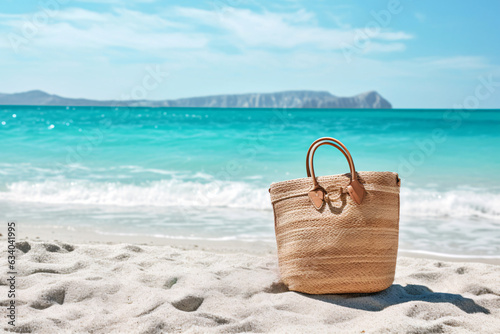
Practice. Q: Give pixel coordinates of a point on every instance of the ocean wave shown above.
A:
(164, 193)
(454, 256)
(457, 203)
(205, 192)
(26, 169)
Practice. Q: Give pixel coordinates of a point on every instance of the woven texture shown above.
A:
(344, 247)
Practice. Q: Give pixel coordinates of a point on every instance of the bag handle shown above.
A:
(317, 194)
(341, 148)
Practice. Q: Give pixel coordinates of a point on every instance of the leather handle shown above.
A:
(308, 169)
(341, 148)
(317, 193)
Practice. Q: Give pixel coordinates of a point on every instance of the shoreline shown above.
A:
(85, 236)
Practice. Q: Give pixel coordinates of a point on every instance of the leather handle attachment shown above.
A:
(317, 194)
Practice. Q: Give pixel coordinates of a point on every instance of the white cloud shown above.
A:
(192, 28)
(284, 30)
(81, 16)
(65, 35)
(72, 29)
(119, 16)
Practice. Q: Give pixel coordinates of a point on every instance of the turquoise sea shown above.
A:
(205, 173)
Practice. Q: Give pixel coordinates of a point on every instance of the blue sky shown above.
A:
(417, 54)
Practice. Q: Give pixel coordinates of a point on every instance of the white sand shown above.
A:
(127, 288)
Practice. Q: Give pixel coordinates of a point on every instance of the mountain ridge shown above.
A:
(284, 99)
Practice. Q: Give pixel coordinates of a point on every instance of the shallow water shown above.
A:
(204, 173)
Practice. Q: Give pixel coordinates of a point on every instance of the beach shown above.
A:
(114, 286)
(186, 166)
(158, 220)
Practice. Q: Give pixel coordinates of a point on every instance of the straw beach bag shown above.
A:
(337, 233)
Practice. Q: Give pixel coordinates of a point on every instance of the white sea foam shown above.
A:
(458, 203)
(237, 237)
(203, 192)
(447, 255)
(164, 193)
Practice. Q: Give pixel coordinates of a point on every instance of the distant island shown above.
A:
(288, 99)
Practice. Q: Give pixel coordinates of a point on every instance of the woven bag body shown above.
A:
(339, 245)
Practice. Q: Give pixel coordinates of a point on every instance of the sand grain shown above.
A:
(126, 288)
